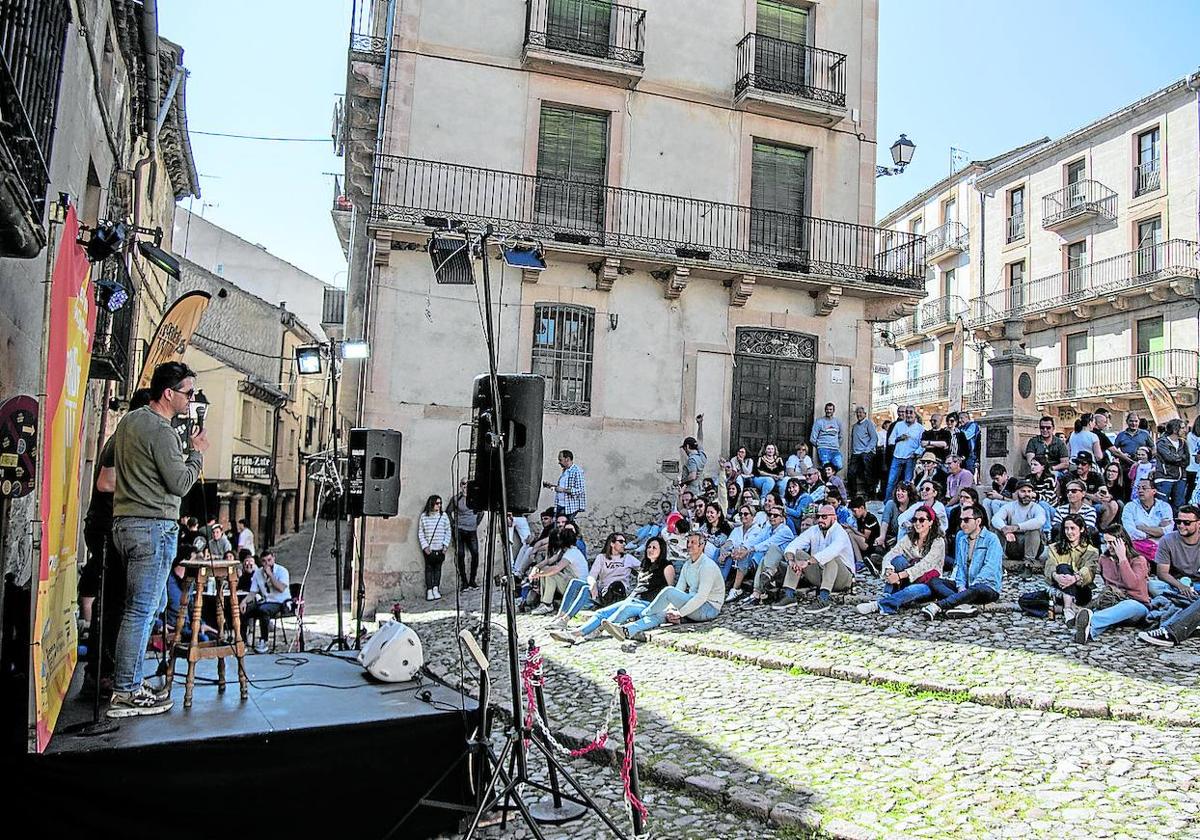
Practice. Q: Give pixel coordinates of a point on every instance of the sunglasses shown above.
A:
(775, 516)
(747, 515)
(1186, 521)
(1074, 489)
(968, 518)
(188, 393)
(921, 519)
(619, 539)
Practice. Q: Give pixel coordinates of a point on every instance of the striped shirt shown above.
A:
(1086, 510)
(433, 531)
(575, 501)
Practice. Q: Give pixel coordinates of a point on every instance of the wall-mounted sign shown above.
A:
(18, 446)
(253, 468)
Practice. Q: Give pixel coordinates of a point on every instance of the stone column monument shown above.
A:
(1013, 417)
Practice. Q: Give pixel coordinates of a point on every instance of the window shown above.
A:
(1149, 243)
(562, 352)
(950, 211)
(572, 164)
(916, 226)
(914, 365)
(1077, 375)
(1146, 172)
(1076, 267)
(1151, 361)
(779, 57)
(947, 355)
(1075, 188)
(579, 26)
(778, 182)
(1016, 214)
(246, 426)
(948, 283)
(1016, 285)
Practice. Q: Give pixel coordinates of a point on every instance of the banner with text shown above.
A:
(174, 333)
(72, 324)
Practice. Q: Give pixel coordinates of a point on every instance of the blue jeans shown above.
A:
(1172, 492)
(948, 597)
(831, 456)
(764, 484)
(898, 596)
(656, 613)
(901, 470)
(577, 597)
(148, 546)
(1126, 611)
(618, 613)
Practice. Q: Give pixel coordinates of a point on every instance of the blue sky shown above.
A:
(986, 77)
(979, 76)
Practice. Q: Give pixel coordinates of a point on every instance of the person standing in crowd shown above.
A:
(936, 439)
(1171, 459)
(906, 438)
(1049, 446)
(1085, 439)
(433, 534)
(466, 538)
(826, 437)
(245, 537)
(1129, 440)
(863, 440)
(153, 472)
(694, 461)
(959, 445)
(970, 430)
(570, 492)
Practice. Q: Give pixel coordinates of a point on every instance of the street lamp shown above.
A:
(902, 155)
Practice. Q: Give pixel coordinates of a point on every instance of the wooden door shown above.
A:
(772, 394)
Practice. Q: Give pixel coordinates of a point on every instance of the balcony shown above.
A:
(946, 241)
(1078, 203)
(110, 348)
(933, 391)
(367, 47)
(932, 318)
(1117, 377)
(32, 37)
(340, 211)
(1147, 177)
(793, 81)
(1014, 229)
(591, 40)
(1110, 281)
(636, 225)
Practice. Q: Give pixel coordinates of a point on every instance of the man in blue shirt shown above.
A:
(970, 430)
(1130, 439)
(826, 436)
(978, 570)
(906, 438)
(863, 439)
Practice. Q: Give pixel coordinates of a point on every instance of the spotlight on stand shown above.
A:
(308, 359)
(160, 259)
(111, 293)
(451, 260)
(107, 238)
(527, 256)
(355, 350)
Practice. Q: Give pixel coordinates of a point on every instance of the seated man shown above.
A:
(1019, 524)
(768, 552)
(863, 530)
(269, 594)
(824, 557)
(1085, 473)
(698, 597)
(534, 546)
(1147, 519)
(978, 570)
(833, 481)
(1077, 504)
(957, 477)
(1177, 563)
(737, 550)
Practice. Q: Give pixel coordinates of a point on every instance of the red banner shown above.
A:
(71, 326)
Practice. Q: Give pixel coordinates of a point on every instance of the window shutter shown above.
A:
(782, 21)
(579, 26)
(572, 150)
(777, 178)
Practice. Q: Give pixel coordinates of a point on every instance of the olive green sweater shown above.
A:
(153, 471)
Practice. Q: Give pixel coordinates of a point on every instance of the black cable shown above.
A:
(261, 137)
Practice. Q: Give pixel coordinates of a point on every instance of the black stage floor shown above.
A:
(317, 746)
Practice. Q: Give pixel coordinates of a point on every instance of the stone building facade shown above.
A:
(700, 179)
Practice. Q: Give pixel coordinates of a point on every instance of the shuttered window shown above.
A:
(579, 26)
(780, 61)
(563, 335)
(783, 21)
(778, 182)
(572, 158)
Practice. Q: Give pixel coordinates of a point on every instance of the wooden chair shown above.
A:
(196, 576)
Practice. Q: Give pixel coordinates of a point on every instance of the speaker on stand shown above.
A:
(372, 489)
(521, 400)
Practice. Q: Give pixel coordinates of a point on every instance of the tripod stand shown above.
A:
(509, 769)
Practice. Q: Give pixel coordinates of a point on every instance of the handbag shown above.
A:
(1035, 603)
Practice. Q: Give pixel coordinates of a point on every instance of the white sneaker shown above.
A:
(867, 607)
(542, 609)
(428, 594)
(732, 595)
(260, 646)
(569, 637)
(1069, 618)
(437, 594)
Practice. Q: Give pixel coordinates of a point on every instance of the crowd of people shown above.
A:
(1099, 530)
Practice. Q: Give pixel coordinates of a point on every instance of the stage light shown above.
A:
(308, 360)
(160, 259)
(107, 239)
(110, 294)
(355, 350)
(527, 256)
(451, 260)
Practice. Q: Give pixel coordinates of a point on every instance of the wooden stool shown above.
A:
(195, 577)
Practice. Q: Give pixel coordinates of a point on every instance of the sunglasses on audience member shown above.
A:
(921, 519)
(775, 515)
(1186, 521)
(619, 539)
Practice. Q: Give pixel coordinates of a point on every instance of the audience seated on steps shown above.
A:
(910, 566)
(823, 557)
(978, 570)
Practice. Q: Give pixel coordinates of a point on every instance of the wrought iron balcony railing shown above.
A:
(1147, 176)
(1014, 228)
(1078, 199)
(1117, 377)
(373, 45)
(110, 348)
(932, 389)
(776, 66)
(950, 236)
(410, 191)
(1168, 260)
(32, 43)
(590, 28)
(942, 311)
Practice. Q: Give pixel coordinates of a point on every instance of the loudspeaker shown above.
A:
(373, 473)
(521, 399)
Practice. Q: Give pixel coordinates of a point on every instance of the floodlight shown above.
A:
(160, 259)
(308, 359)
(451, 260)
(107, 239)
(527, 256)
(355, 350)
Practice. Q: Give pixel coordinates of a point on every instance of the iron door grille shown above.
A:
(562, 352)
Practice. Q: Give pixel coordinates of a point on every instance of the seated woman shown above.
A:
(1108, 508)
(768, 470)
(564, 563)
(653, 529)
(715, 528)
(655, 573)
(904, 496)
(733, 497)
(607, 581)
(740, 468)
(929, 494)
(907, 568)
(1071, 566)
(1114, 480)
(795, 503)
(1125, 599)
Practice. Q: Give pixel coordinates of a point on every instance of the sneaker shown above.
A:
(1083, 626)
(820, 604)
(962, 611)
(732, 595)
(260, 646)
(428, 594)
(160, 692)
(134, 703)
(930, 611)
(640, 637)
(614, 630)
(542, 609)
(786, 602)
(1069, 618)
(867, 607)
(1158, 637)
(754, 600)
(559, 622)
(568, 637)
(437, 594)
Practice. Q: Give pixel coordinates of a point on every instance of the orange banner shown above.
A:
(72, 324)
(173, 334)
(1159, 399)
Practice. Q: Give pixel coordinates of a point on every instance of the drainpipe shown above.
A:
(1193, 84)
(150, 47)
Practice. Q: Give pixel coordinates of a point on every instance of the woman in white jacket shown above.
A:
(433, 532)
